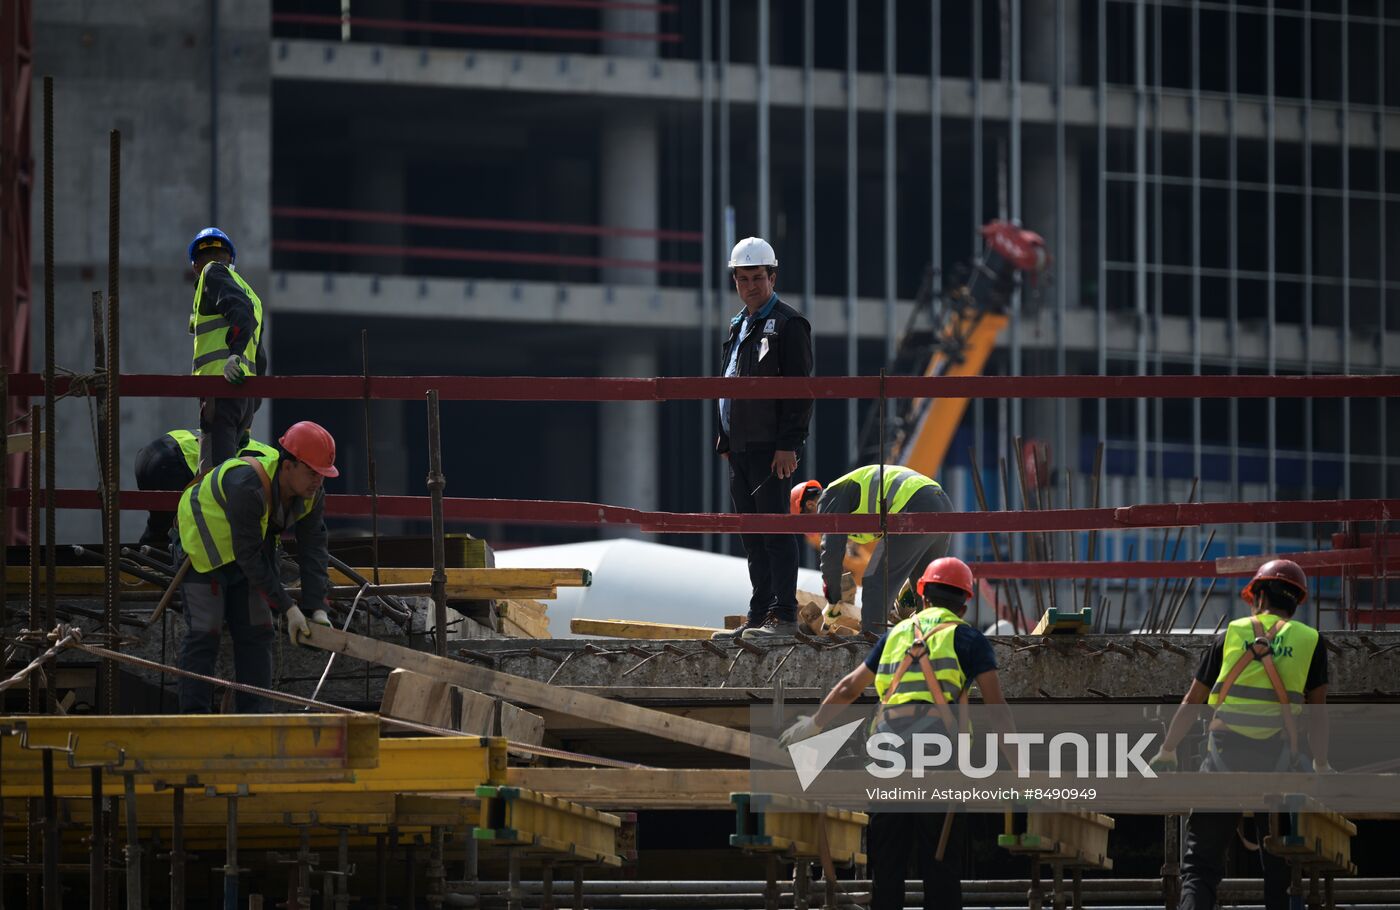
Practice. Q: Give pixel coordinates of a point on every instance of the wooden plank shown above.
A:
(524, 618)
(478, 713)
(16, 443)
(531, 692)
(412, 696)
(469, 584)
(628, 628)
(521, 726)
(651, 788)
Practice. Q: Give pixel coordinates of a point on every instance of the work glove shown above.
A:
(806, 726)
(296, 625)
(1164, 760)
(1322, 767)
(233, 369)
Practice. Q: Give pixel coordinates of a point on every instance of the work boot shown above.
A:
(728, 634)
(772, 628)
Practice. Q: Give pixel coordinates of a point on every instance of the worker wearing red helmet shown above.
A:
(1257, 675)
(229, 522)
(903, 556)
(934, 640)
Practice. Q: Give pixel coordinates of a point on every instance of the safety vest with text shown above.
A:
(944, 660)
(205, 533)
(1251, 705)
(211, 329)
(900, 485)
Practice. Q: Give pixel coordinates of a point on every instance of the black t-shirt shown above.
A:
(970, 645)
(1209, 670)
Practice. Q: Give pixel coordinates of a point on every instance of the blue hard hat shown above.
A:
(209, 237)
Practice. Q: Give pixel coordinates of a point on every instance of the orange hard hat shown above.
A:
(1284, 570)
(313, 446)
(800, 491)
(949, 571)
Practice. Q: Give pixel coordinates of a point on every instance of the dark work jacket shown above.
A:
(768, 423)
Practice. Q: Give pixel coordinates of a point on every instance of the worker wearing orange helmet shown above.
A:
(229, 522)
(934, 641)
(903, 556)
(1257, 675)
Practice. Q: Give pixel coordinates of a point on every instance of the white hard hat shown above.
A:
(753, 251)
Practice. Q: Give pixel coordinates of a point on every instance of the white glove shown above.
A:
(1322, 767)
(806, 726)
(1164, 760)
(233, 369)
(296, 625)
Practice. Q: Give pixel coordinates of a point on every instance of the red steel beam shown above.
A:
(587, 388)
(1327, 562)
(494, 256)
(550, 512)
(481, 224)
(488, 31)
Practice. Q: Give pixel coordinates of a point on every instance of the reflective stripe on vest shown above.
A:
(941, 655)
(205, 533)
(901, 484)
(255, 448)
(189, 447)
(210, 331)
(1251, 707)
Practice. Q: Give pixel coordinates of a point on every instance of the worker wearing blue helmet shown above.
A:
(226, 323)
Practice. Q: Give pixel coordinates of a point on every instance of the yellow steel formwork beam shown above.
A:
(419, 764)
(219, 749)
(1319, 840)
(1071, 839)
(518, 818)
(772, 823)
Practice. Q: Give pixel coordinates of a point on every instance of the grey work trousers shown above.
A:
(899, 557)
(224, 596)
(223, 423)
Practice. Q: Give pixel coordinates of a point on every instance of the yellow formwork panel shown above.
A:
(515, 817)
(173, 748)
(419, 764)
(1319, 839)
(1078, 839)
(444, 811)
(773, 823)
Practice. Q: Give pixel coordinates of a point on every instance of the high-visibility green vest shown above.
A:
(210, 329)
(1251, 707)
(189, 447)
(941, 656)
(205, 534)
(253, 447)
(901, 483)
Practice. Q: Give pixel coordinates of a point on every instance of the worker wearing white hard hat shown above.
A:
(763, 439)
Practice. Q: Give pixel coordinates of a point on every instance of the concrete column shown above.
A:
(628, 434)
(628, 158)
(1038, 41)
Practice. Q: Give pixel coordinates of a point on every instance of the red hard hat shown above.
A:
(1284, 570)
(949, 571)
(799, 491)
(313, 446)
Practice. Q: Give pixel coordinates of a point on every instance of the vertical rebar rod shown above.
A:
(370, 468)
(975, 87)
(231, 855)
(1344, 123)
(97, 855)
(1196, 245)
(1158, 405)
(38, 704)
(1068, 448)
(4, 514)
(1306, 115)
(99, 367)
(112, 462)
(1101, 284)
(852, 225)
(1012, 49)
(1140, 251)
(177, 850)
(50, 469)
(1271, 327)
(1097, 488)
(1014, 599)
(707, 257)
(53, 890)
(809, 193)
(935, 104)
(762, 75)
(891, 240)
(1383, 423)
(436, 484)
(133, 844)
(1232, 326)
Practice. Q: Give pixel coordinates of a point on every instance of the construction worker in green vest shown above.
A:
(902, 557)
(227, 324)
(1258, 675)
(935, 642)
(169, 463)
(229, 522)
